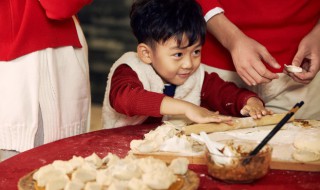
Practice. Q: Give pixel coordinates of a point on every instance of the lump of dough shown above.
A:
(46, 174)
(159, 179)
(74, 185)
(126, 170)
(305, 156)
(84, 175)
(57, 183)
(94, 159)
(144, 146)
(293, 68)
(76, 162)
(137, 184)
(307, 145)
(179, 165)
(308, 140)
(65, 166)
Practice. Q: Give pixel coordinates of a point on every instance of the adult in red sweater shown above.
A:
(170, 40)
(44, 78)
(249, 41)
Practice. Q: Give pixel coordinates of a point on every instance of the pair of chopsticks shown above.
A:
(274, 131)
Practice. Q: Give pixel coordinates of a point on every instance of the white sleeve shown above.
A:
(212, 13)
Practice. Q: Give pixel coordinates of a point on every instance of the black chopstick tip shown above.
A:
(301, 103)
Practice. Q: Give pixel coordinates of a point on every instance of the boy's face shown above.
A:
(176, 64)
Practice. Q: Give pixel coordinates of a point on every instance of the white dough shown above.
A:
(308, 140)
(305, 156)
(293, 69)
(179, 165)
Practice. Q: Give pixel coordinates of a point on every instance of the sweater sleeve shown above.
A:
(63, 9)
(225, 97)
(127, 95)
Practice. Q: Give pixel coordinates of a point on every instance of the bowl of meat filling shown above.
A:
(231, 162)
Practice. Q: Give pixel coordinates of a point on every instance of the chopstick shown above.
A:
(274, 130)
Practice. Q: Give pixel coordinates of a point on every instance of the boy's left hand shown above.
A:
(255, 108)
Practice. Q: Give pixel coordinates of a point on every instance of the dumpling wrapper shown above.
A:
(293, 69)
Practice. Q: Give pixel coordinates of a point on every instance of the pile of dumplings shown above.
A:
(111, 172)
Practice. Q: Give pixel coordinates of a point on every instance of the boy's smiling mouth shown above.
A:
(184, 75)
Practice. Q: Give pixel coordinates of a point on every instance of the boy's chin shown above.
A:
(178, 83)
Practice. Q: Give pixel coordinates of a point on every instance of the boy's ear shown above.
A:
(144, 53)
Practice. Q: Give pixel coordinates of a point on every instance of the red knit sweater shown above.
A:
(278, 25)
(127, 95)
(30, 25)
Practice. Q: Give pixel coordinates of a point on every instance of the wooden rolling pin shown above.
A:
(238, 123)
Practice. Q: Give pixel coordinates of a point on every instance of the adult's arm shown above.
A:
(63, 9)
(247, 54)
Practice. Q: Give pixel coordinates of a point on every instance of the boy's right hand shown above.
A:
(199, 114)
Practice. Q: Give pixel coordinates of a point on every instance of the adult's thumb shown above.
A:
(298, 58)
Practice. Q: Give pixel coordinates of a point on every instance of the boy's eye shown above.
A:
(178, 55)
(197, 52)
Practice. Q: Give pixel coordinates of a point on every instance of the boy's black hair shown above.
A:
(159, 20)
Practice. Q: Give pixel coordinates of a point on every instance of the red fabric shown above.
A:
(278, 25)
(127, 95)
(61, 9)
(26, 28)
(117, 141)
(208, 5)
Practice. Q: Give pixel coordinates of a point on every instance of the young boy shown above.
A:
(165, 77)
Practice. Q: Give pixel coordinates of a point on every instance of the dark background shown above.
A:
(106, 26)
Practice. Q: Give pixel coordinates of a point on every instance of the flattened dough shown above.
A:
(305, 156)
(307, 144)
(308, 140)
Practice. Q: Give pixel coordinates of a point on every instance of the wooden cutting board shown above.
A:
(281, 161)
(275, 164)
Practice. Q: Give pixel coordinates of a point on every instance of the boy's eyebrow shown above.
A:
(177, 47)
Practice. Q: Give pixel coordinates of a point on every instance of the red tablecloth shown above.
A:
(117, 141)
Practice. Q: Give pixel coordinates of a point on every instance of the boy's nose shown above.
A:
(187, 63)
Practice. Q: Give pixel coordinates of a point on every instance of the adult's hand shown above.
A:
(247, 54)
(308, 57)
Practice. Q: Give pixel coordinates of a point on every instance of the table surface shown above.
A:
(117, 141)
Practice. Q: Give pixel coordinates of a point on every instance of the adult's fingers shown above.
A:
(266, 73)
(311, 68)
(267, 57)
(299, 77)
(298, 58)
(255, 76)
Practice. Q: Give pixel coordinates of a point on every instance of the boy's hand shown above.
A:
(255, 108)
(199, 114)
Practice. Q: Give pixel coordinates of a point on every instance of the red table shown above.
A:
(117, 141)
